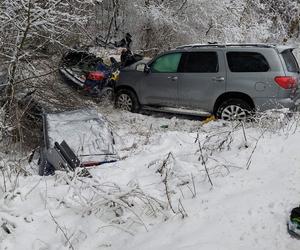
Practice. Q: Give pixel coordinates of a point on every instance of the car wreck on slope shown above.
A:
(96, 76)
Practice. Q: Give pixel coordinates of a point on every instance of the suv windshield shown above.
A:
(290, 61)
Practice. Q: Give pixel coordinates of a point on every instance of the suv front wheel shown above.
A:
(127, 100)
(234, 109)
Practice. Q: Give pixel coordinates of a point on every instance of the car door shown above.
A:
(202, 80)
(159, 86)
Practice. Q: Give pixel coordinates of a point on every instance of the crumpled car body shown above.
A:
(87, 135)
(76, 66)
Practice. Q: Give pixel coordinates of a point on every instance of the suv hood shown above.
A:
(133, 66)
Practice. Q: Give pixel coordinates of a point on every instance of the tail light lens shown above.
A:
(95, 76)
(286, 82)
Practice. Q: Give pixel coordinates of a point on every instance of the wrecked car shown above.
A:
(78, 138)
(90, 73)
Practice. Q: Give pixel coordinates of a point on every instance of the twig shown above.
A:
(182, 6)
(249, 160)
(37, 76)
(164, 164)
(181, 209)
(203, 162)
(244, 133)
(63, 232)
(4, 179)
(118, 227)
(16, 180)
(25, 196)
(165, 181)
(194, 186)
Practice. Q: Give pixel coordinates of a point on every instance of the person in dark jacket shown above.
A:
(127, 58)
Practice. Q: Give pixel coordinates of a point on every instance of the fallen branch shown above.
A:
(203, 162)
(165, 181)
(63, 232)
(181, 209)
(253, 150)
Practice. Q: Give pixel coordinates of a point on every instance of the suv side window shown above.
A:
(290, 61)
(247, 62)
(199, 62)
(166, 63)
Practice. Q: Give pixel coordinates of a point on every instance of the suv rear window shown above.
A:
(247, 62)
(290, 61)
(199, 62)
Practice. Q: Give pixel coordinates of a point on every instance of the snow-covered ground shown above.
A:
(158, 196)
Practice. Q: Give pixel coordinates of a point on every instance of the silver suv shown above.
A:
(229, 81)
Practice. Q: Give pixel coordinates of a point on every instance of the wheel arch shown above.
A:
(233, 95)
(132, 93)
(121, 87)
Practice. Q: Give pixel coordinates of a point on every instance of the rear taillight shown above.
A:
(286, 82)
(95, 76)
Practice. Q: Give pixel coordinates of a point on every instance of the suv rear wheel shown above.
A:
(127, 100)
(234, 109)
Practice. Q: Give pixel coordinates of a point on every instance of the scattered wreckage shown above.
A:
(72, 139)
(89, 73)
(95, 75)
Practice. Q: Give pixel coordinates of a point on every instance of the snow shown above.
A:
(125, 206)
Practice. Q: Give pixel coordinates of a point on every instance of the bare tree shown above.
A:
(30, 29)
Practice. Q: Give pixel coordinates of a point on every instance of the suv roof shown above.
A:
(279, 48)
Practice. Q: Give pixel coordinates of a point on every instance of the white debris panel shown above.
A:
(86, 132)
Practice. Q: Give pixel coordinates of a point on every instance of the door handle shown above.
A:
(219, 79)
(173, 78)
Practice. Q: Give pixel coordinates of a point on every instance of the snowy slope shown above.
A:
(125, 205)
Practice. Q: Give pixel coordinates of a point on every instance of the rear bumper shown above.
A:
(287, 103)
(69, 75)
(262, 104)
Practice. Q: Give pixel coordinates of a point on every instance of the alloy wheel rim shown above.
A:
(125, 102)
(233, 112)
(107, 95)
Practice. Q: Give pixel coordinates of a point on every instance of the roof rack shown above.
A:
(261, 45)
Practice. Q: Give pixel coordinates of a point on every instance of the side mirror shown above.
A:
(147, 69)
(141, 67)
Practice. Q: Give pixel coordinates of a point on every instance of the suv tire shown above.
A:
(127, 100)
(234, 109)
(107, 94)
